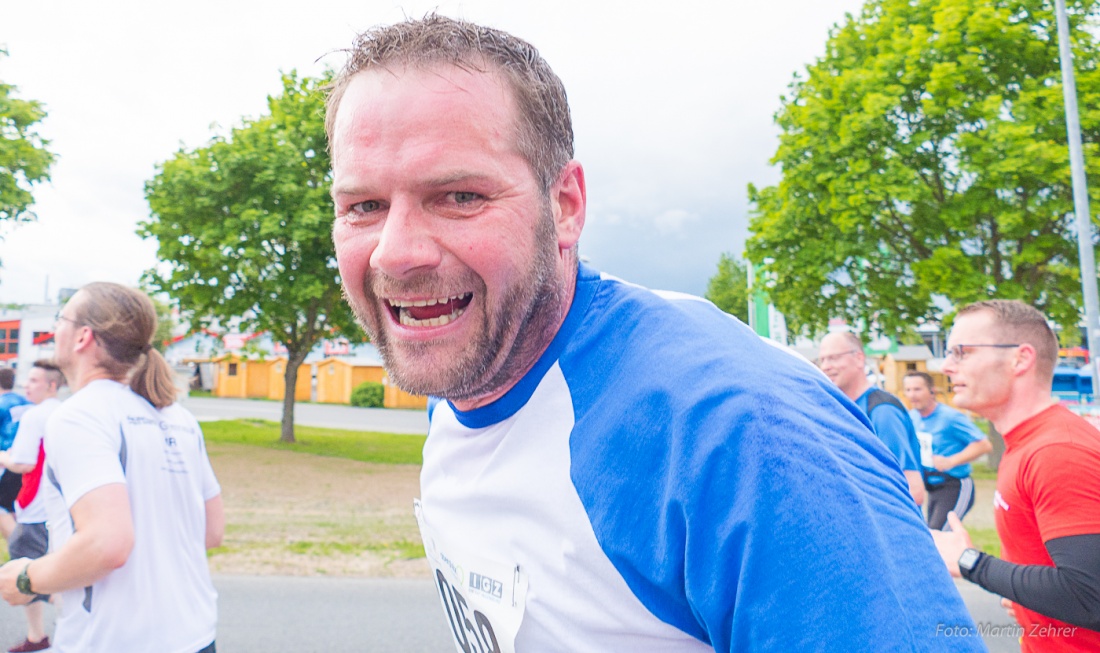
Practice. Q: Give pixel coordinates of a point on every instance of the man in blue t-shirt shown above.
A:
(949, 442)
(10, 482)
(841, 358)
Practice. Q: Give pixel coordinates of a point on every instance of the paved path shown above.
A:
(265, 614)
(386, 420)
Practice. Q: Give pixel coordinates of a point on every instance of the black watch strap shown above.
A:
(969, 561)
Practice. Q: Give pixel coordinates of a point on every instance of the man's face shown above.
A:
(918, 394)
(66, 330)
(39, 387)
(446, 246)
(982, 380)
(841, 361)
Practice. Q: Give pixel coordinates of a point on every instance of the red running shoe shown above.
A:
(28, 646)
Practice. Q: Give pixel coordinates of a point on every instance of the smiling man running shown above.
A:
(612, 469)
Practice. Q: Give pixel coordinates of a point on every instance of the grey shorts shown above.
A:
(28, 541)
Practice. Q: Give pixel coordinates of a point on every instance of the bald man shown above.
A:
(841, 358)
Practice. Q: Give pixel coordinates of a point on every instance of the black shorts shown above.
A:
(952, 495)
(10, 484)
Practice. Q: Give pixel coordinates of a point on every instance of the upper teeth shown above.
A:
(401, 303)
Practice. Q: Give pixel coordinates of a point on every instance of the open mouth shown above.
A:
(429, 312)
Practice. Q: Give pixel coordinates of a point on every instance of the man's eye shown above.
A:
(368, 206)
(465, 197)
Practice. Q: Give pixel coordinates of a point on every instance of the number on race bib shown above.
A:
(484, 640)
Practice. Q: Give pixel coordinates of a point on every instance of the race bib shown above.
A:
(484, 600)
(925, 440)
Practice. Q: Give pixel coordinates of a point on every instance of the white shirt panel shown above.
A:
(24, 450)
(505, 491)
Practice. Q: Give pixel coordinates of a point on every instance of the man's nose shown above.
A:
(407, 243)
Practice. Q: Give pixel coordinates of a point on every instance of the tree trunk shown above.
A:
(290, 381)
(998, 447)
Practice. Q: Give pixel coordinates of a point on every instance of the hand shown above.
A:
(1010, 608)
(8, 573)
(952, 543)
(942, 463)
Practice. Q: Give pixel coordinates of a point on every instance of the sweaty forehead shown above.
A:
(379, 100)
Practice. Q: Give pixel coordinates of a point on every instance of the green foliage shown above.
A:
(243, 228)
(364, 446)
(24, 159)
(166, 323)
(924, 155)
(369, 394)
(728, 289)
(986, 540)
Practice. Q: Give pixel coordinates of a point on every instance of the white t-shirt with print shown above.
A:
(162, 598)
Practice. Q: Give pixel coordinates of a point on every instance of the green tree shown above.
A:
(166, 324)
(729, 287)
(924, 158)
(24, 159)
(243, 225)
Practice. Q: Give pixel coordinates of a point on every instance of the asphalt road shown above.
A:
(386, 420)
(272, 614)
(265, 614)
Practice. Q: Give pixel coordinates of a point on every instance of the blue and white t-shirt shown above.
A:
(664, 480)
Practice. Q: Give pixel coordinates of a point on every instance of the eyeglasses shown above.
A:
(958, 352)
(59, 317)
(824, 360)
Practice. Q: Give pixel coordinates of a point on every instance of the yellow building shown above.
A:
(895, 365)
(230, 376)
(242, 378)
(337, 377)
(303, 387)
(912, 359)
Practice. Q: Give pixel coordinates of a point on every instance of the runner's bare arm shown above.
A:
(103, 536)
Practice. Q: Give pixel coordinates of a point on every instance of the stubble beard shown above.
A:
(513, 333)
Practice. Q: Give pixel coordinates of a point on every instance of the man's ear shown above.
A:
(85, 339)
(1025, 360)
(568, 198)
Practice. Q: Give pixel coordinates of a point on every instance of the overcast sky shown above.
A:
(672, 109)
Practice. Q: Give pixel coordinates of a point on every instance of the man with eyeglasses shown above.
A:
(1001, 359)
(840, 357)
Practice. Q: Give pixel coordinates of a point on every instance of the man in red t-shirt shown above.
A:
(1001, 357)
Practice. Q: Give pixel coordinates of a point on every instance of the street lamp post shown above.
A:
(1080, 197)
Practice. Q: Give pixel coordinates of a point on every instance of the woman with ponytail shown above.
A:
(136, 502)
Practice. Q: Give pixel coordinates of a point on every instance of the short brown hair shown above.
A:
(545, 131)
(1022, 324)
(926, 377)
(54, 374)
(123, 321)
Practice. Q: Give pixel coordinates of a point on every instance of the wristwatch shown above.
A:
(968, 561)
(23, 581)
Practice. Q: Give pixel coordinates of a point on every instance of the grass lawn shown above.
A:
(363, 446)
(334, 502)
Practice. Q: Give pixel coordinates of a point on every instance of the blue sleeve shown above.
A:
(968, 429)
(893, 427)
(744, 500)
